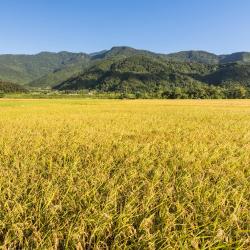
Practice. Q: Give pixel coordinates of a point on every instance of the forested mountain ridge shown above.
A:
(137, 73)
(229, 74)
(155, 75)
(126, 69)
(194, 56)
(67, 70)
(23, 69)
(240, 57)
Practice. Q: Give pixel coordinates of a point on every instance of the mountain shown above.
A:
(230, 73)
(161, 77)
(8, 87)
(209, 58)
(241, 57)
(59, 75)
(23, 69)
(136, 73)
(194, 56)
(121, 52)
(73, 67)
(47, 69)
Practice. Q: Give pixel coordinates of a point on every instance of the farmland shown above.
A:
(124, 174)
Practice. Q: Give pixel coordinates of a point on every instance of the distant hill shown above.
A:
(228, 74)
(120, 65)
(136, 73)
(8, 87)
(59, 75)
(121, 52)
(159, 76)
(194, 56)
(209, 58)
(240, 57)
(72, 67)
(23, 69)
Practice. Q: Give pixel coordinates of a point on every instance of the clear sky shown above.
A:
(31, 26)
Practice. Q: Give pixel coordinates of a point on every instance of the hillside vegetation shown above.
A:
(8, 87)
(186, 74)
(26, 68)
(194, 56)
(142, 74)
(230, 73)
(59, 75)
(136, 73)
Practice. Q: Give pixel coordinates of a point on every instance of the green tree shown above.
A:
(237, 91)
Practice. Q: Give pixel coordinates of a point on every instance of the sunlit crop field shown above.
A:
(124, 174)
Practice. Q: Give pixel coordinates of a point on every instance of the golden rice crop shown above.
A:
(120, 174)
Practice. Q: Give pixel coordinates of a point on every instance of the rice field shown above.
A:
(124, 174)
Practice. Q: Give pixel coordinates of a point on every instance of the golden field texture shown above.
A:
(124, 174)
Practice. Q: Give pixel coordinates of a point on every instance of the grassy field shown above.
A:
(119, 174)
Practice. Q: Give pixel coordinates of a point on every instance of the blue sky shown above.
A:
(30, 26)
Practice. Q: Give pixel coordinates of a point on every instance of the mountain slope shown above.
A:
(136, 73)
(99, 58)
(25, 68)
(241, 57)
(47, 69)
(231, 73)
(121, 52)
(59, 75)
(194, 56)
